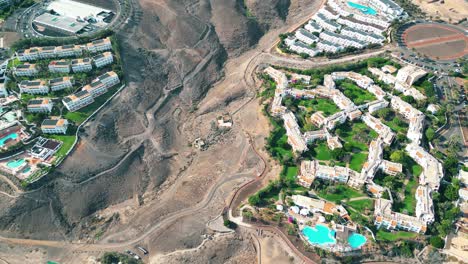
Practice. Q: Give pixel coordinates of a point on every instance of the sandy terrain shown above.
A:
(8, 38)
(447, 10)
(273, 252)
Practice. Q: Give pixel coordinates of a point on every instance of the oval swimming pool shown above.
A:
(356, 240)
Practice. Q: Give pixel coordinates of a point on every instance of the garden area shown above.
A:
(361, 205)
(355, 138)
(392, 119)
(304, 108)
(277, 142)
(334, 192)
(394, 236)
(67, 140)
(356, 94)
(403, 185)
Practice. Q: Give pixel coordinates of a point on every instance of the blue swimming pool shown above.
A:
(320, 235)
(8, 137)
(356, 240)
(364, 9)
(15, 163)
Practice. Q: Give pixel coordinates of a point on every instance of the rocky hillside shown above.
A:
(173, 51)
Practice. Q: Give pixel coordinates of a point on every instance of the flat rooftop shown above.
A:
(75, 9)
(61, 22)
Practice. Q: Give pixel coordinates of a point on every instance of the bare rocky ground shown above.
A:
(135, 178)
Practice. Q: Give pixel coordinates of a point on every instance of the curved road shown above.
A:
(261, 57)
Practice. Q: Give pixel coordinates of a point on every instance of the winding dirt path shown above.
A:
(262, 56)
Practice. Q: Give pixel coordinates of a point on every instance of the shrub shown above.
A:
(437, 242)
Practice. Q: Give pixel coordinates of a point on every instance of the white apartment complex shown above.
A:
(61, 83)
(103, 59)
(384, 131)
(99, 45)
(96, 88)
(300, 47)
(312, 27)
(293, 132)
(82, 65)
(34, 87)
(377, 105)
(109, 79)
(326, 23)
(360, 80)
(26, 69)
(410, 74)
(77, 100)
(377, 91)
(390, 220)
(328, 46)
(35, 53)
(54, 126)
(40, 105)
(362, 35)
(360, 25)
(59, 66)
(68, 51)
(432, 169)
(342, 40)
(306, 37)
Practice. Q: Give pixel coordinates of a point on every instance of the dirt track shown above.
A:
(437, 41)
(200, 192)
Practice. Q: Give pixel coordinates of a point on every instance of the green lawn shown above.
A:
(416, 169)
(358, 95)
(357, 135)
(360, 205)
(76, 117)
(13, 63)
(322, 151)
(403, 128)
(320, 104)
(357, 161)
(291, 173)
(394, 236)
(67, 140)
(281, 148)
(343, 192)
(409, 203)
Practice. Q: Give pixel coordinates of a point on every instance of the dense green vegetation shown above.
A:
(358, 95)
(114, 257)
(393, 120)
(277, 142)
(356, 137)
(8, 11)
